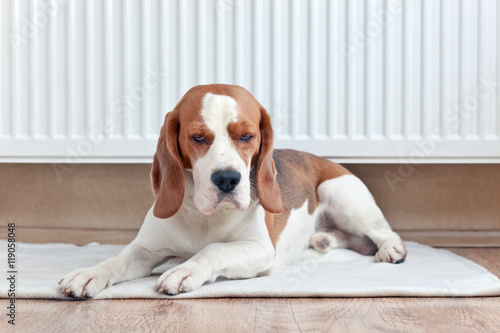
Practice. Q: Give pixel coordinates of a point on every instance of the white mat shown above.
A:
(340, 273)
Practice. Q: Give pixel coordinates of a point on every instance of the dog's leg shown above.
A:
(240, 259)
(133, 262)
(325, 241)
(354, 211)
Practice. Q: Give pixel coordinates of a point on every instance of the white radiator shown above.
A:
(354, 80)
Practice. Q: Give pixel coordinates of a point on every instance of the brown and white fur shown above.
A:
(232, 207)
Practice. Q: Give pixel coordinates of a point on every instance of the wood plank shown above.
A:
(486, 257)
(118, 196)
(262, 315)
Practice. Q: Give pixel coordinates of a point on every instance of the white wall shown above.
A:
(355, 80)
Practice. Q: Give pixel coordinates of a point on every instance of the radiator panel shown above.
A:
(380, 81)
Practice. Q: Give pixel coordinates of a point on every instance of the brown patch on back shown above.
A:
(299, 175)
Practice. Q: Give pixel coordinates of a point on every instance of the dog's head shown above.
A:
(220, 132)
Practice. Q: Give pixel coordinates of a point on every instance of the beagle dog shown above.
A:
(233, 207)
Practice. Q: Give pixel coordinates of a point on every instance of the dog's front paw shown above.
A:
(392, 250)
(84, 282)
(180, 279)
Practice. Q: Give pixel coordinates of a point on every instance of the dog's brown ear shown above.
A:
(167, 173)
(267, 187)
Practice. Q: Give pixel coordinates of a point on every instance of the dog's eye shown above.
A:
(199, 138)
(246, 137)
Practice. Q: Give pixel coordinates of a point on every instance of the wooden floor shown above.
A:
(261, 314)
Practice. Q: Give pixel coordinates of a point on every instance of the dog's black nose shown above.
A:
(226, 181)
